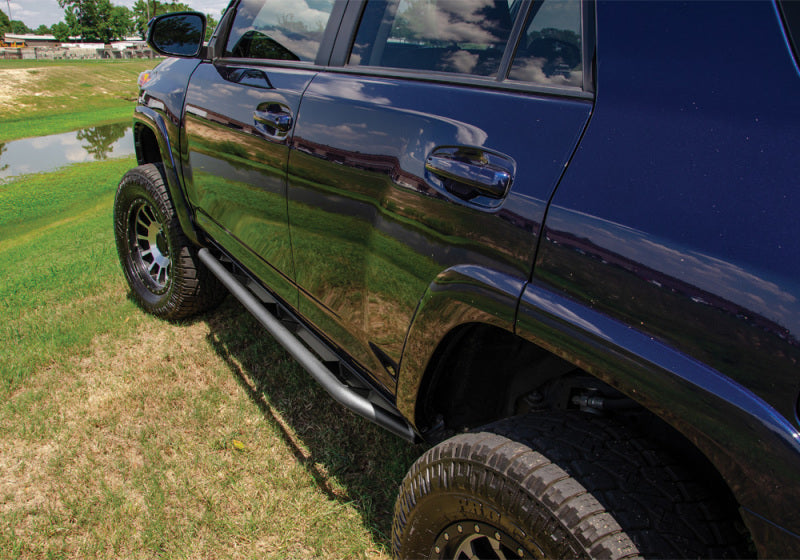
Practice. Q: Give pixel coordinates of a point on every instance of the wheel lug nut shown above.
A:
(477, 529)
(460, 529)
(497, 536)
(446, 537)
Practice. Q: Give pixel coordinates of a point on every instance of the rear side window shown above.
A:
(463, 36)
(278, 30)
(550, 50)
(790, 10)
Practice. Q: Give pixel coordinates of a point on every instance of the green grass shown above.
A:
(128, 437)
(49, 97)
(55, 237)
(56, 124)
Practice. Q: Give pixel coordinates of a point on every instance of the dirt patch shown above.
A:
(13, 81)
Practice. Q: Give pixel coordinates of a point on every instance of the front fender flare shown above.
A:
(154, 121)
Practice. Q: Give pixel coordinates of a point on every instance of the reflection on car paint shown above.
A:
(360, 148)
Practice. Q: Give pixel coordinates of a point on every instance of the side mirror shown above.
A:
(178, 34)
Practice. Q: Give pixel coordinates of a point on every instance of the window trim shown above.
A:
(323, 53)
(348, 28)
(336, 45)
(453, 79)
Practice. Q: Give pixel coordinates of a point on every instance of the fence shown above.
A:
(75, 53)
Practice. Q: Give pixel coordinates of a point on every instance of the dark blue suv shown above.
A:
(559, 239)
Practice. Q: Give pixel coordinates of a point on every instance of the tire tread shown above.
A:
(573, 474)
(194, 289)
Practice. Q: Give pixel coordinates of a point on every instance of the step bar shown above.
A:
(349, 397)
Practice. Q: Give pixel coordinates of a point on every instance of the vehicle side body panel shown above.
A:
(751, 444)
(372, 228)
(669, 226)
(649, 236)
(159, 109)
(236, 167)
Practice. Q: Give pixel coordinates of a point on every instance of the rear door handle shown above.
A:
(471, 172)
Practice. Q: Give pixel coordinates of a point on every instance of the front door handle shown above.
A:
(471, 172)
(280, 121)
(274, 121)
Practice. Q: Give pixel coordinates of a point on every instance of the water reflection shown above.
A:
(47, 153)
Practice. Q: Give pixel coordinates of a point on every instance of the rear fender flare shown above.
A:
(458, 296)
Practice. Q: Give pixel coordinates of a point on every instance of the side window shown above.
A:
(550, 51)
(278, 30)
(461, 36)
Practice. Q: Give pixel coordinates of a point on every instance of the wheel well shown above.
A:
(480, 374)
(147, 150)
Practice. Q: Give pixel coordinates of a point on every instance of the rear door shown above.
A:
(240, 112)
(432, 146)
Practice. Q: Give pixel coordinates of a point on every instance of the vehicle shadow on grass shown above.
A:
(349, 458)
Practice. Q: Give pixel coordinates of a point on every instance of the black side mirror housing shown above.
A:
(178, 34)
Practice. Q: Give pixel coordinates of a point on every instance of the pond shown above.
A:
(47, 153)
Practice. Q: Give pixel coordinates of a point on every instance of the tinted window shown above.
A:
(464, 36)
(790, 10)
(278, 29)
(550, 51)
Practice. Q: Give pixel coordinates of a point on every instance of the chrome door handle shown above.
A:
(470, 173)
(281, 122)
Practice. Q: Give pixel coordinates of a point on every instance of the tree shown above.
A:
(5, 24)
(2, 149)
(96, 20)
(100, 139)
(42, 30)
(211, 23)
(19, 27)
(61, 31)
(121, 21)
(145, 10)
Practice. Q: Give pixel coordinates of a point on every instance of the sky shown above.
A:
(37, 12)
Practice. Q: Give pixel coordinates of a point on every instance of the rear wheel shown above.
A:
(160, 263)
(558, 486)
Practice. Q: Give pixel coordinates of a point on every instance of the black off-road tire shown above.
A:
(559, 486)
(160, 263)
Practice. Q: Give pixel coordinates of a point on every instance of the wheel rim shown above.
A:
(149, 247)
(474, 540)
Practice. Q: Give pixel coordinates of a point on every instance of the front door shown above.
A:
(240, 112)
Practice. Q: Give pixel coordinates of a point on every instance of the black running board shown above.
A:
(344, 394)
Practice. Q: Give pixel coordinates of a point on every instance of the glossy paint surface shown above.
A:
(237, 160)
(754, 447)
(160, 110)
(679, 216)
(372, 228)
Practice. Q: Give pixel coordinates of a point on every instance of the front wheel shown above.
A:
(160, 263)
(558, 486)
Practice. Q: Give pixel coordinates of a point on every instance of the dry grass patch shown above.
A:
(196, 440)
(14, 80)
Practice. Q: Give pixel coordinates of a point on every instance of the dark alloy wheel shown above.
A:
(160, 263)
(472, 540)
(149, 248)
(560, 485)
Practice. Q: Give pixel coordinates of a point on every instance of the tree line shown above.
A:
(99, 21)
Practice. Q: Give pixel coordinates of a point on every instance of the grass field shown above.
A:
(49, 97)
(128, 437)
